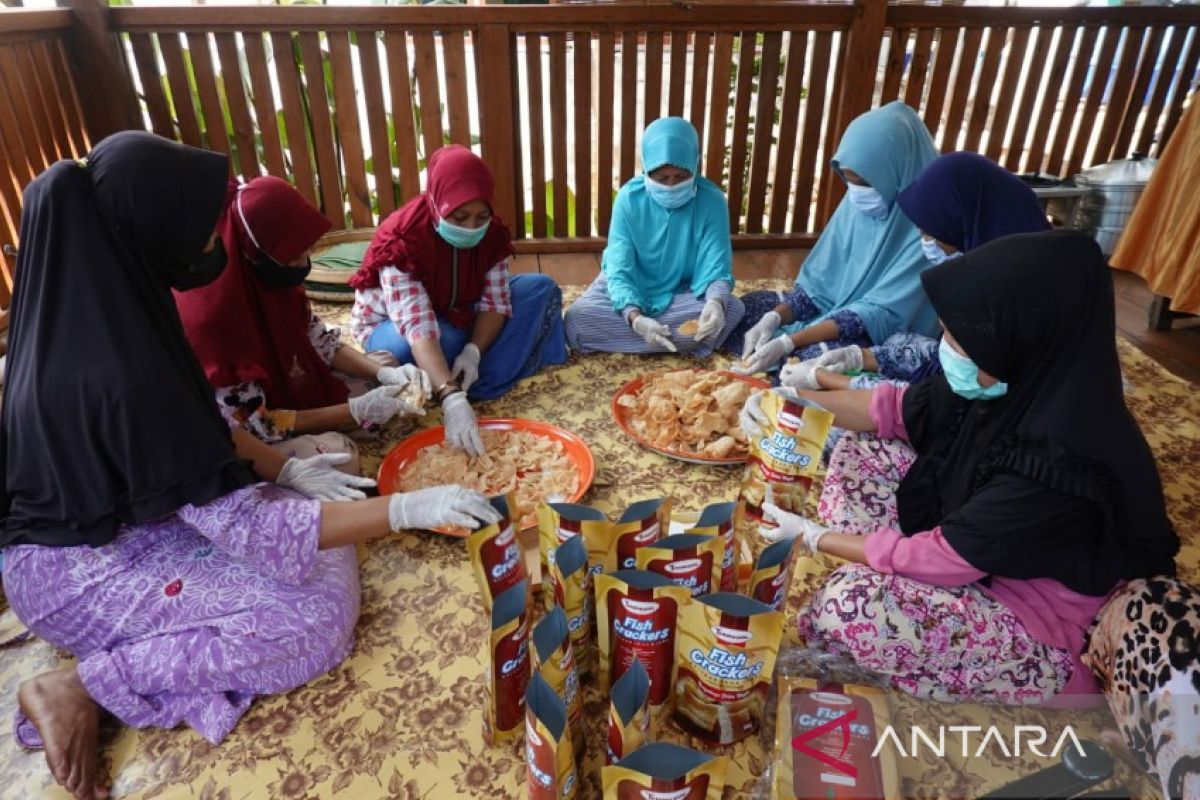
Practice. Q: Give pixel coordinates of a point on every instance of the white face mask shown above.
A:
(867, 200)
(934, 252)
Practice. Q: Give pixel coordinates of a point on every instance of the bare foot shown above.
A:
(68, 720)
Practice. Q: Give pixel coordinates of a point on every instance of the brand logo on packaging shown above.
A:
(506, 536)
(789, 420)
(731, 637)
(648, 535)
(650, 794)
(638, 607)
(682, 567)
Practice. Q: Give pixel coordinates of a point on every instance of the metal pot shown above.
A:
(1114, 191)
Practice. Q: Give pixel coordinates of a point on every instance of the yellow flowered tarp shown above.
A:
(401, 718)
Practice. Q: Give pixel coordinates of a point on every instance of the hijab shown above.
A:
(654, 252)
(107, 417)
(871, 266)
(965, 200)
(1036, 311)
(244, 330)
(408, 239)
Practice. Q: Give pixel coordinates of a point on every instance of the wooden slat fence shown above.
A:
(348, 102)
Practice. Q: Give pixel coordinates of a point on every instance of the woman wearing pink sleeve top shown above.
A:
(1032, 496)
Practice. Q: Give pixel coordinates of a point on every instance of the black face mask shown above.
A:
(279, 276)
(196, 271)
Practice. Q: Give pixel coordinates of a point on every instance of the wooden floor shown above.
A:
(1178, 349)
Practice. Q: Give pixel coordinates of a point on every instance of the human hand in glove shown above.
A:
(654, 332)
(379, 405)
(466, 365)
(316, 477)
(440, 507)
(404, 375)
(843, 359)
(765, 356)
(462, 430)
(762, 332)
(712, 320)
(791, 526)
(800, 376)
(752, 418)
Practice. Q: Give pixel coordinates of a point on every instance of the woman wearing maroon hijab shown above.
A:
(434, 290)
(269, 357)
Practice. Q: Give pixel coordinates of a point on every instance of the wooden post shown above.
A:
(105, 87)
(496, 93)
(859, 69)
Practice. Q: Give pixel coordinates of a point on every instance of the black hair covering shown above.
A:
(1054, 479)
(107, 417)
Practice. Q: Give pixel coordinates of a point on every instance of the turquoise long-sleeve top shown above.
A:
(654, 252)
(872, 266)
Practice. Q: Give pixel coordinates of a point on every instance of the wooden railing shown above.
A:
(40, 117)
(347, 102)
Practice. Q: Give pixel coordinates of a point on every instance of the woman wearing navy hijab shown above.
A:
(959, 202)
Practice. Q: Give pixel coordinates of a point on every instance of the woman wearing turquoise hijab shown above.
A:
(668, 259)
(859, 285)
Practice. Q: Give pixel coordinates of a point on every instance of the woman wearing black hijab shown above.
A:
(1033, 496)
(134, 537)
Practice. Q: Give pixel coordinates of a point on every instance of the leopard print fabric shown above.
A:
(1144, 649)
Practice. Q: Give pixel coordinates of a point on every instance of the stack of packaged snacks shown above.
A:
(571, 590)
(497, 558)
(663, 771)
(610, 545)
(549, 754)
(628, 713)
(508, 673)
(636, 617)
(558, 522)
(723, 520)
(691, 560)
(554, 660)
(724, 661)
(824, 735)
(772, 574)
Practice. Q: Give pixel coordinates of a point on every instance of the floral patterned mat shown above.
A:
(401, 718)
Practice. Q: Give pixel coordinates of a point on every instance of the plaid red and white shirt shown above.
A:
(403, 300)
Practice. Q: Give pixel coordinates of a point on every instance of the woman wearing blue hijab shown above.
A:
(860, 282)
(668, 259)
(961, 201)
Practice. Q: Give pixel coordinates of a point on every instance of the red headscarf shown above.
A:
(243, 330)
(408, 239)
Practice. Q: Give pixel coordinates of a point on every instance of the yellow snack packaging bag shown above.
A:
(572, 591)
(497, 557)
(824, 735)
(724, 660)
(549, 755)
(772, 574)
(643, 523)
(637, 613)
(628, 713)
(785, 456)
(554, 659)
(663, 771)
(723, 520)
(690, 560)
(508, 673)
(558, 522)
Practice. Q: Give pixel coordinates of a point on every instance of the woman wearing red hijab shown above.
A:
(270, 358)
(434, 289)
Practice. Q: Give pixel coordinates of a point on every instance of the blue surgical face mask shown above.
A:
(934, 252)
(460, 237)
(670, 197)
(963, 375)
(867, 200)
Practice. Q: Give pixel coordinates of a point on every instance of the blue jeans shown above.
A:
(531, 339)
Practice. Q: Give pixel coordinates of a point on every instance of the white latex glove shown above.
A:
(440, 507)
(462, 430)
(791, 526)
(712, 320)
(379, 405)
(763, 330)
(466, 365)
(316, 477)
(843, 359)
(404, 375)
(752, 418)
(802, 375)
(654, 332)
(765, 356)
